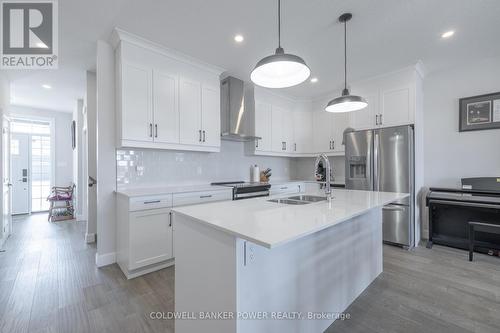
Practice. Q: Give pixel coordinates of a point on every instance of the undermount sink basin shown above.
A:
(289, 202)
(308, 198)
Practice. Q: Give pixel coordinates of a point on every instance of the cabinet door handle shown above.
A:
(257, 143)
(151, 202)
(205, 196)
(150, 129)
(199, 132)
(283, 145)
(170, 219)
(284, 188)
(330, 144)
(333, 144)
(204, 136)
(295, 147)
(156, 130)
(380, 119)
(376, 119)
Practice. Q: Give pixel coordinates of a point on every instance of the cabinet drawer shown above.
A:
(286, 188)
(150, 202)
(193, 198)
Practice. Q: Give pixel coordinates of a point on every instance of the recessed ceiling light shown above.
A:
(46, 86)
(448, 34)
(314, 80)
(238, 38)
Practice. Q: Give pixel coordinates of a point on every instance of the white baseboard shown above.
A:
(89, 238)
(106, 259)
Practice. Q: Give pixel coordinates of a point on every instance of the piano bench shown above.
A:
(480, 227)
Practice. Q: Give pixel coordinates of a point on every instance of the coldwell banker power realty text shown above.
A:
(29, 34)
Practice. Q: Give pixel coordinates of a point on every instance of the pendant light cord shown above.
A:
(345, 54)
(279, 23)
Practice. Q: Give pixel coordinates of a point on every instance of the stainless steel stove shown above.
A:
(246, 190)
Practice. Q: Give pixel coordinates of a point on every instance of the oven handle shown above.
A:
(465, 204)
(251, 194)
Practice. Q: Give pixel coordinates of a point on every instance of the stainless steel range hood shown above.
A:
(237, 110)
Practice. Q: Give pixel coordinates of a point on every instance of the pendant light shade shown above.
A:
(346, 102)
(280, 70)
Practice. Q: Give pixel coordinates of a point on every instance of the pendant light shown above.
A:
(346, 102)
(280, 70)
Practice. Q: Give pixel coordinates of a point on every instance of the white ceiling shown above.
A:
(383, 35)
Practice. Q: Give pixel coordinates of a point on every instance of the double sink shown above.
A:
(299, 200)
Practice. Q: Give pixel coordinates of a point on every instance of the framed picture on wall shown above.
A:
(73, 134)
(479, 112)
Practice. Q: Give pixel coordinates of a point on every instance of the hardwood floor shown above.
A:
(49, 283)
(424, 290)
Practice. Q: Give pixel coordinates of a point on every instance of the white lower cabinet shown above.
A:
(145, 228)
(152, 237)
(286, 188)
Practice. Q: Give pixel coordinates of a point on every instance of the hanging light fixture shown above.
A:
(280, 70)
(346, 102)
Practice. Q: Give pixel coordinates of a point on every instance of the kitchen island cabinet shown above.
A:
(256, 258)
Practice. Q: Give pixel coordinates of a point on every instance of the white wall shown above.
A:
(450, 155)
(77, 159)
(90, 103)
(62, 138)
(4, 103)
(106, 155)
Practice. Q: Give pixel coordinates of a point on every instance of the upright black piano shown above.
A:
(450, 211)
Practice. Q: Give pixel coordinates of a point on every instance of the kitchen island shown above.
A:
(261, 266)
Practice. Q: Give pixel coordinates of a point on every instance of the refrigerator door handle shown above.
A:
(375, 162)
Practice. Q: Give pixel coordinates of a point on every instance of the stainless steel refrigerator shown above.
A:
(383, 160)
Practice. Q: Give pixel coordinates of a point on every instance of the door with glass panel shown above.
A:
(32, 167)
(20, 159)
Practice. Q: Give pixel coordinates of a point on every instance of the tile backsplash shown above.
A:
(147, 167)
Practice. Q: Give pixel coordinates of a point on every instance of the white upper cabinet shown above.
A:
(210, 115)
(136, 103)
(365, 118)
(397, 107)
(278, 130)
(165, 100)
(303, 129)
(263, 125)
(166, 107)
(322, 129)
(339, 124)
(190, 112)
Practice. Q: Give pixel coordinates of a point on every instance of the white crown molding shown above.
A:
(118, 35)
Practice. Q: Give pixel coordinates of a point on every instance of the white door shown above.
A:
(277, 134)
(6, 183)
(396, 107)
(166, 107)
(288, 134)
(322, 131)
(263, 126)
(210, 115)
(152, 237)
(137, 111)
(20, 159)
(190, 112)
(340, 123)
(302, 124)
(365, 118)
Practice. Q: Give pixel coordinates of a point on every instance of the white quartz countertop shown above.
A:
(273, 224)
(146, 191)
